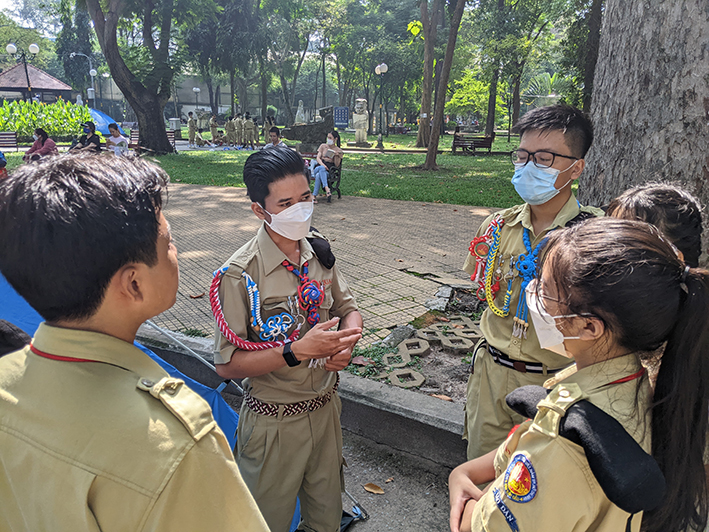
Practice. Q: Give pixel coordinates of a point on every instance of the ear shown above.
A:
(260, 212)
(592, 330)
(128, 283)
(577, 169)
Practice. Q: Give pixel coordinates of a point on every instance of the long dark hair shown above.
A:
(335, 134)
(629, 276)
(41, 133)
(673, 210)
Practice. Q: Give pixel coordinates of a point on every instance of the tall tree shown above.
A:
(650, 99)
(456, 16)
(146, 86)
(430, 20)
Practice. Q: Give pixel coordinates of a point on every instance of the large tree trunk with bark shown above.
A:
(430, 163)
(492, 104)
(650, 99)
(429, 21)
(594, 39)
(147, 99)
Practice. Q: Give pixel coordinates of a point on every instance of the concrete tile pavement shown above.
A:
(375, 242)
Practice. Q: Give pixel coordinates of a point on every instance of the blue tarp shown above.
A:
(16, 310)
(102, 120)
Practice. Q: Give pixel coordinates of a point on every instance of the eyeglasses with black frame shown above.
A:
(541, 159)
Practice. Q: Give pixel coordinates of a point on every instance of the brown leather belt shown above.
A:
(292, 409)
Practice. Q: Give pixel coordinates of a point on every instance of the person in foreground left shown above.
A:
(94, 435)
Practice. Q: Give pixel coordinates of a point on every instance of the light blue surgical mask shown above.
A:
(536, 185)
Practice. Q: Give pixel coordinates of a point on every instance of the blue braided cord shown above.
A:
(527, 268)
(220, 271)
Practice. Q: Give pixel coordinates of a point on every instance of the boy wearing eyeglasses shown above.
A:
(553, 143)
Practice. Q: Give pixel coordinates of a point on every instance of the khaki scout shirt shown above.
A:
(568, 496)
(262, 259)
(229, 126)
(192, 124)
(239, 123)
(111, 444)
(498, 331)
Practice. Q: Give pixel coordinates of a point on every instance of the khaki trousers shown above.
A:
(294, 456)
(191, 134)
(488, 419)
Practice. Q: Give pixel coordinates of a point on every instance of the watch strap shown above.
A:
(289, 356)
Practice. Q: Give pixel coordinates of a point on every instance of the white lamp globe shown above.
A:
(11, 48)
(34, 49)
(384, 68)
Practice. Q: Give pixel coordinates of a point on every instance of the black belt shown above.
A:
(523, 367)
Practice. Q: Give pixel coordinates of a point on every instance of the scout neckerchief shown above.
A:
(274, 330)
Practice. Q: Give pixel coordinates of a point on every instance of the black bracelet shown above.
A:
(289, 356)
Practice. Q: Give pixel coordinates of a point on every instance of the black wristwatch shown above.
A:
(289, 356)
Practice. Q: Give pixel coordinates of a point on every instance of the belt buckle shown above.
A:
(519, 366)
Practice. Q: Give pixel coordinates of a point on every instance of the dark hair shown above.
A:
(41, 133)
(188, 114)
(627, 274)
(267, 166)
(238, 115)
(573, 123)
(337, 137)
(91, 126)
(247, 116)
(673, 210)
(275, 130)
(68, 223)
(113, 125)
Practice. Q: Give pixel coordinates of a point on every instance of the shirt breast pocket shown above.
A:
(279, 318)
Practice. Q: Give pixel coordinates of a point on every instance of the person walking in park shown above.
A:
(191, 129)
(95, 435)
(597, 436)
(503, 260)
(43, 146)
(213, 127)
(277, 300)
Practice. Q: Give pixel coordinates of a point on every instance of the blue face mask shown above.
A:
(86, 130)
(536, 185)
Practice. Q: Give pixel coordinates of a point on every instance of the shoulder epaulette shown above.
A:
(192, 411)
(630, 478)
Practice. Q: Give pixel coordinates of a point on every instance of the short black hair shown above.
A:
(70, 222)
(267, 166)
(113, 125)
(275, 130)
(572, 122)
(188, 114)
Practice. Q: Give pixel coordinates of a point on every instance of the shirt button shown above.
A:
(147, 383)
(564, 393)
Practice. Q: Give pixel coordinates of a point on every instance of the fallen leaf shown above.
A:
(455, 210)
(443, 318)
(197, 296)
(399, 260)
(373, 488)
(342, 218)
(459, 326)
(390, 479)
(361, 361)
(442, 397)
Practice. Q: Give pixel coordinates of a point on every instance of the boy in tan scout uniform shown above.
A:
(230, 129)
(213, 127)
(191, 129)
(290, 442)
(94, 435)
(239, 124)
(248, 131)
(553, 143)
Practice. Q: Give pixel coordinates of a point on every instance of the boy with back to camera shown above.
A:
(276, 299)
(553, 143)
(95, 435)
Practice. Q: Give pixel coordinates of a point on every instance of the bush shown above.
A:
(59, 120)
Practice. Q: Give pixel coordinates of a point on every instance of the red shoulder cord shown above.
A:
(57, 357)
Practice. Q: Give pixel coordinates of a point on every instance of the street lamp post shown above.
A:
(196, 91)
(13, 51)
(381, 70)
(92, 73)
(107, 77)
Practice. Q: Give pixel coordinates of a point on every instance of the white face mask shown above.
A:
(330, 142)
(550, 337)
(35, 137)
(294, 222)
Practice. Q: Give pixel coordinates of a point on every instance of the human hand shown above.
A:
(320, 342)
(340, 360)
(462, 491)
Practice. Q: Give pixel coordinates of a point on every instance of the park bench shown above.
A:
(333, 176)
(469, 144)
(8, 139)
(134, 144)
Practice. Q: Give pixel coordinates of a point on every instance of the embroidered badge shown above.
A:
(520, 479)
(506, 512)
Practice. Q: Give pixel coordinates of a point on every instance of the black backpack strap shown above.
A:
(321, 247)
(580, 217)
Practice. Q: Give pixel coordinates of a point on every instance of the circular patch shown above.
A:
(520, 479)
(481, 249)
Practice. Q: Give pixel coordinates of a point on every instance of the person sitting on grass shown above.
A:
(329, 156)
(43, 146)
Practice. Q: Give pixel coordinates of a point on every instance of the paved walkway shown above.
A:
(388, 250)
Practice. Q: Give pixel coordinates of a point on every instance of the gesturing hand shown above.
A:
(320, 342)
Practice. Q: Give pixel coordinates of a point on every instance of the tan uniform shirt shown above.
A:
(497, 330)
(239, 123)
(192, 125)
(111, 444)
(261, 259)
(564, 492)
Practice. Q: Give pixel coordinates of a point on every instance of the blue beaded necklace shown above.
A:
(526, 265)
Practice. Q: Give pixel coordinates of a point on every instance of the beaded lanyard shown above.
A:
(489, 294)
(271, 329)
(310, 292)
(480, 249)
(527, 267)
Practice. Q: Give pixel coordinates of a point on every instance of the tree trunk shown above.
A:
(324, 97)
(242, 88)
(516, 104)
(650, 100)
(430, 163)
(492, 104)
(232, 91)
(210, 90)
(149, 101)
(429, 21)
(594, 38)
(265, 79)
